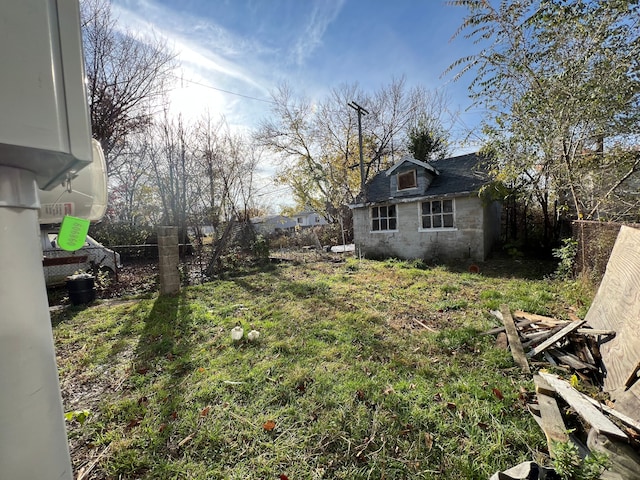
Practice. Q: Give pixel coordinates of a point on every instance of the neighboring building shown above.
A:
(309, 218)
(273, 224)
(431, 212)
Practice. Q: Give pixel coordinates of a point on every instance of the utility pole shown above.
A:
(361, 111)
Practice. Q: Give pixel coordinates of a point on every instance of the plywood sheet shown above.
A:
(616, 307)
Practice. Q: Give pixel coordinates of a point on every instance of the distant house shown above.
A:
(427, 211)
(309, 218)
(273, 224)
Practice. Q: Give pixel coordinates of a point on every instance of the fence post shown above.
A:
(168, 254)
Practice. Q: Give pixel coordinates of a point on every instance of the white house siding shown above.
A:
(469, 240)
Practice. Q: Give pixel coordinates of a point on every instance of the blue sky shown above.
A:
(249, 47)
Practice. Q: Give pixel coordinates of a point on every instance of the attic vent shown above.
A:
(407, 180)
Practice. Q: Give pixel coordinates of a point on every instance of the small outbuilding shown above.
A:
(430, 211)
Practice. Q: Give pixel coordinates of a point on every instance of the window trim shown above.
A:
(441, 228)
(395, 217)
(414, 174)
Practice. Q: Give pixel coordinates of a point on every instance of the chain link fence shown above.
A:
(595, 243)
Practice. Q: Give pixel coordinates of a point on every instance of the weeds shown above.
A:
(570, 466)
(566, 254)
(354, 388)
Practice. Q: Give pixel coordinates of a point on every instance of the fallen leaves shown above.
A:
(428, 440)
(497, 393)
(132, 424)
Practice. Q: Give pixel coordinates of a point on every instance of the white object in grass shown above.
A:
(253, 335)
(237, 333)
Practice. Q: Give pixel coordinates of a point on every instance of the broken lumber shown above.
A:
(538, 337)
(551, 421)
(583, 407)
(633, 377)
(628, 421)
(595, 331)
(570, 359)
(541, 319)
(555, 338)
(514, 340)
(520, 324)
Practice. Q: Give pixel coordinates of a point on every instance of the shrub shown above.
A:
(566, 254)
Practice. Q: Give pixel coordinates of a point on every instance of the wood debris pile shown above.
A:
(573, 349)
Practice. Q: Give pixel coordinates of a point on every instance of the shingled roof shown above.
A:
(456, 176)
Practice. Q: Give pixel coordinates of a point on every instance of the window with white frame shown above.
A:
(437, 214)
(407, 180)
(384, 218)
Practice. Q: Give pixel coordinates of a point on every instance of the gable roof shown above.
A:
(456, 176)
(409, 158)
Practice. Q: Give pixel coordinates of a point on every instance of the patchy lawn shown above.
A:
(343, 382)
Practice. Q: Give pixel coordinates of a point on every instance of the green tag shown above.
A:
(73, 233)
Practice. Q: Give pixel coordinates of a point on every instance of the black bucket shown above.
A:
(81, 289)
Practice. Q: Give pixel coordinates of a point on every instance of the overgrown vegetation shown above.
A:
(570, 466)
(343, 381)
(566, 255)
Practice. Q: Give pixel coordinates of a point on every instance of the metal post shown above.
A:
(33, 440)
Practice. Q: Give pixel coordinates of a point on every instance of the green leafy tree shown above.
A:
(426, 143)
(561, 82)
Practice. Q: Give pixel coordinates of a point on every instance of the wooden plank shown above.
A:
(551, 420)
(539, 337)
(594, 331)
(549, 358)
(534, 317)
(628, 421)
(628, 400)
(520, 324)
(555, 338)
(514, 341)
(570, 359)
(586, 351)
(542, 387)
(633, 377)
(616, 307)
(583, 407)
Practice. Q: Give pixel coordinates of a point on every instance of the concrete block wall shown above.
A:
(169, 260)
(467, 241)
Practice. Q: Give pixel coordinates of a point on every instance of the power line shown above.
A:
(224, 91)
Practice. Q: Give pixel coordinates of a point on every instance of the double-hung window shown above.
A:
(437, 214)
(383, 218)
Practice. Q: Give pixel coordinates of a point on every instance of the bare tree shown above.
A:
(127, 77)
(133, 195)
(318, 143)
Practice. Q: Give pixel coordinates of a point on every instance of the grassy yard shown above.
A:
(343, 382)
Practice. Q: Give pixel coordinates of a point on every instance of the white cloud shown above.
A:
(210, 57)
(323, 14)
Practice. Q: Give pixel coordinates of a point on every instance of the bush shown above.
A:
(111, 234)
(567, 255)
